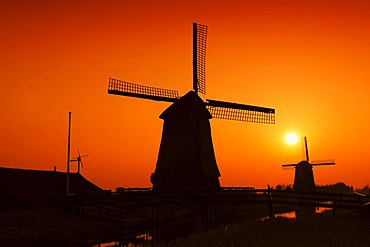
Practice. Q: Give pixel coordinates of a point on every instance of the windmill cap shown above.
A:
(189, 104)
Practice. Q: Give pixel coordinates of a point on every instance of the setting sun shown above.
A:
(291, 138)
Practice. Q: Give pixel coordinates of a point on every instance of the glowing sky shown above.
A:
(307, 59)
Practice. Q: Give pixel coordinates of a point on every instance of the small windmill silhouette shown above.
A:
(78, 160)
(303, 177)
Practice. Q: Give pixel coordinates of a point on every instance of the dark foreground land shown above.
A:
(350, 229)
(52, 228)
(56, 228)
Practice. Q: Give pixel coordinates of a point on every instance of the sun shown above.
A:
(291, 138)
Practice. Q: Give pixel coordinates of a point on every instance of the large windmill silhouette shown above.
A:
(186, 159)
(303, 178)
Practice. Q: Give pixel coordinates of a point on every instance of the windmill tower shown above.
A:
(303, 177)
(186, 158)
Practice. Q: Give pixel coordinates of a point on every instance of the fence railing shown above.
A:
(117, 206)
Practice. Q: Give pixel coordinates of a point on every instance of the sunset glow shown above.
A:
(309, 60)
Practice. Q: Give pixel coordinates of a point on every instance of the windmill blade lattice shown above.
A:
(199, 57)
(124, 88)
(240, 112)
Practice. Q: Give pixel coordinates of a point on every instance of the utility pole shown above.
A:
(69, 151)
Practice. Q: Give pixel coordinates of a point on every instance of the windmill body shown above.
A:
(303, 177)
(186, 158)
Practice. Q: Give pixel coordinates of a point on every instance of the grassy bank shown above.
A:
(318, 230)
(51, 228)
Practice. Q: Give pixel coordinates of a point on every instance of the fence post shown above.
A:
(301, 199)
(254, 197)
(317, 200)
(120, 215)
(153, 224)
(271, 212)
(209, 215)
(155, 221)
(82, 207)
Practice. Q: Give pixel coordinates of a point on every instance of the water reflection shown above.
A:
(293, 214)
(110, 244)
(141, 240)
(321, 210)
(289, 215)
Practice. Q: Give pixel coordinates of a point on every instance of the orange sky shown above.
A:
(307, 59)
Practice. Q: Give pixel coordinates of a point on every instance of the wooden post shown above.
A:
(254, 197)
(317, 200)
(120, 215)
(153, 225)
(334, 206)
(269, 198)
(68, 152)
(82, 207)
(158, 224)
(301, 199)
(209, 216)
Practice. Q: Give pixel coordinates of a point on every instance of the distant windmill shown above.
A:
(186, 159)
(78, 160)
(303, 178)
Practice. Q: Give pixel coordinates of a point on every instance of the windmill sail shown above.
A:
(288, 165)
(199, 57)
(124, 88)
(240, 112)
(323, 163)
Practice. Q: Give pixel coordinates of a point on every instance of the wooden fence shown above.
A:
(115, 207)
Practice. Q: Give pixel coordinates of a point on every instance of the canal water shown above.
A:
(292, 214)
(144, 240)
